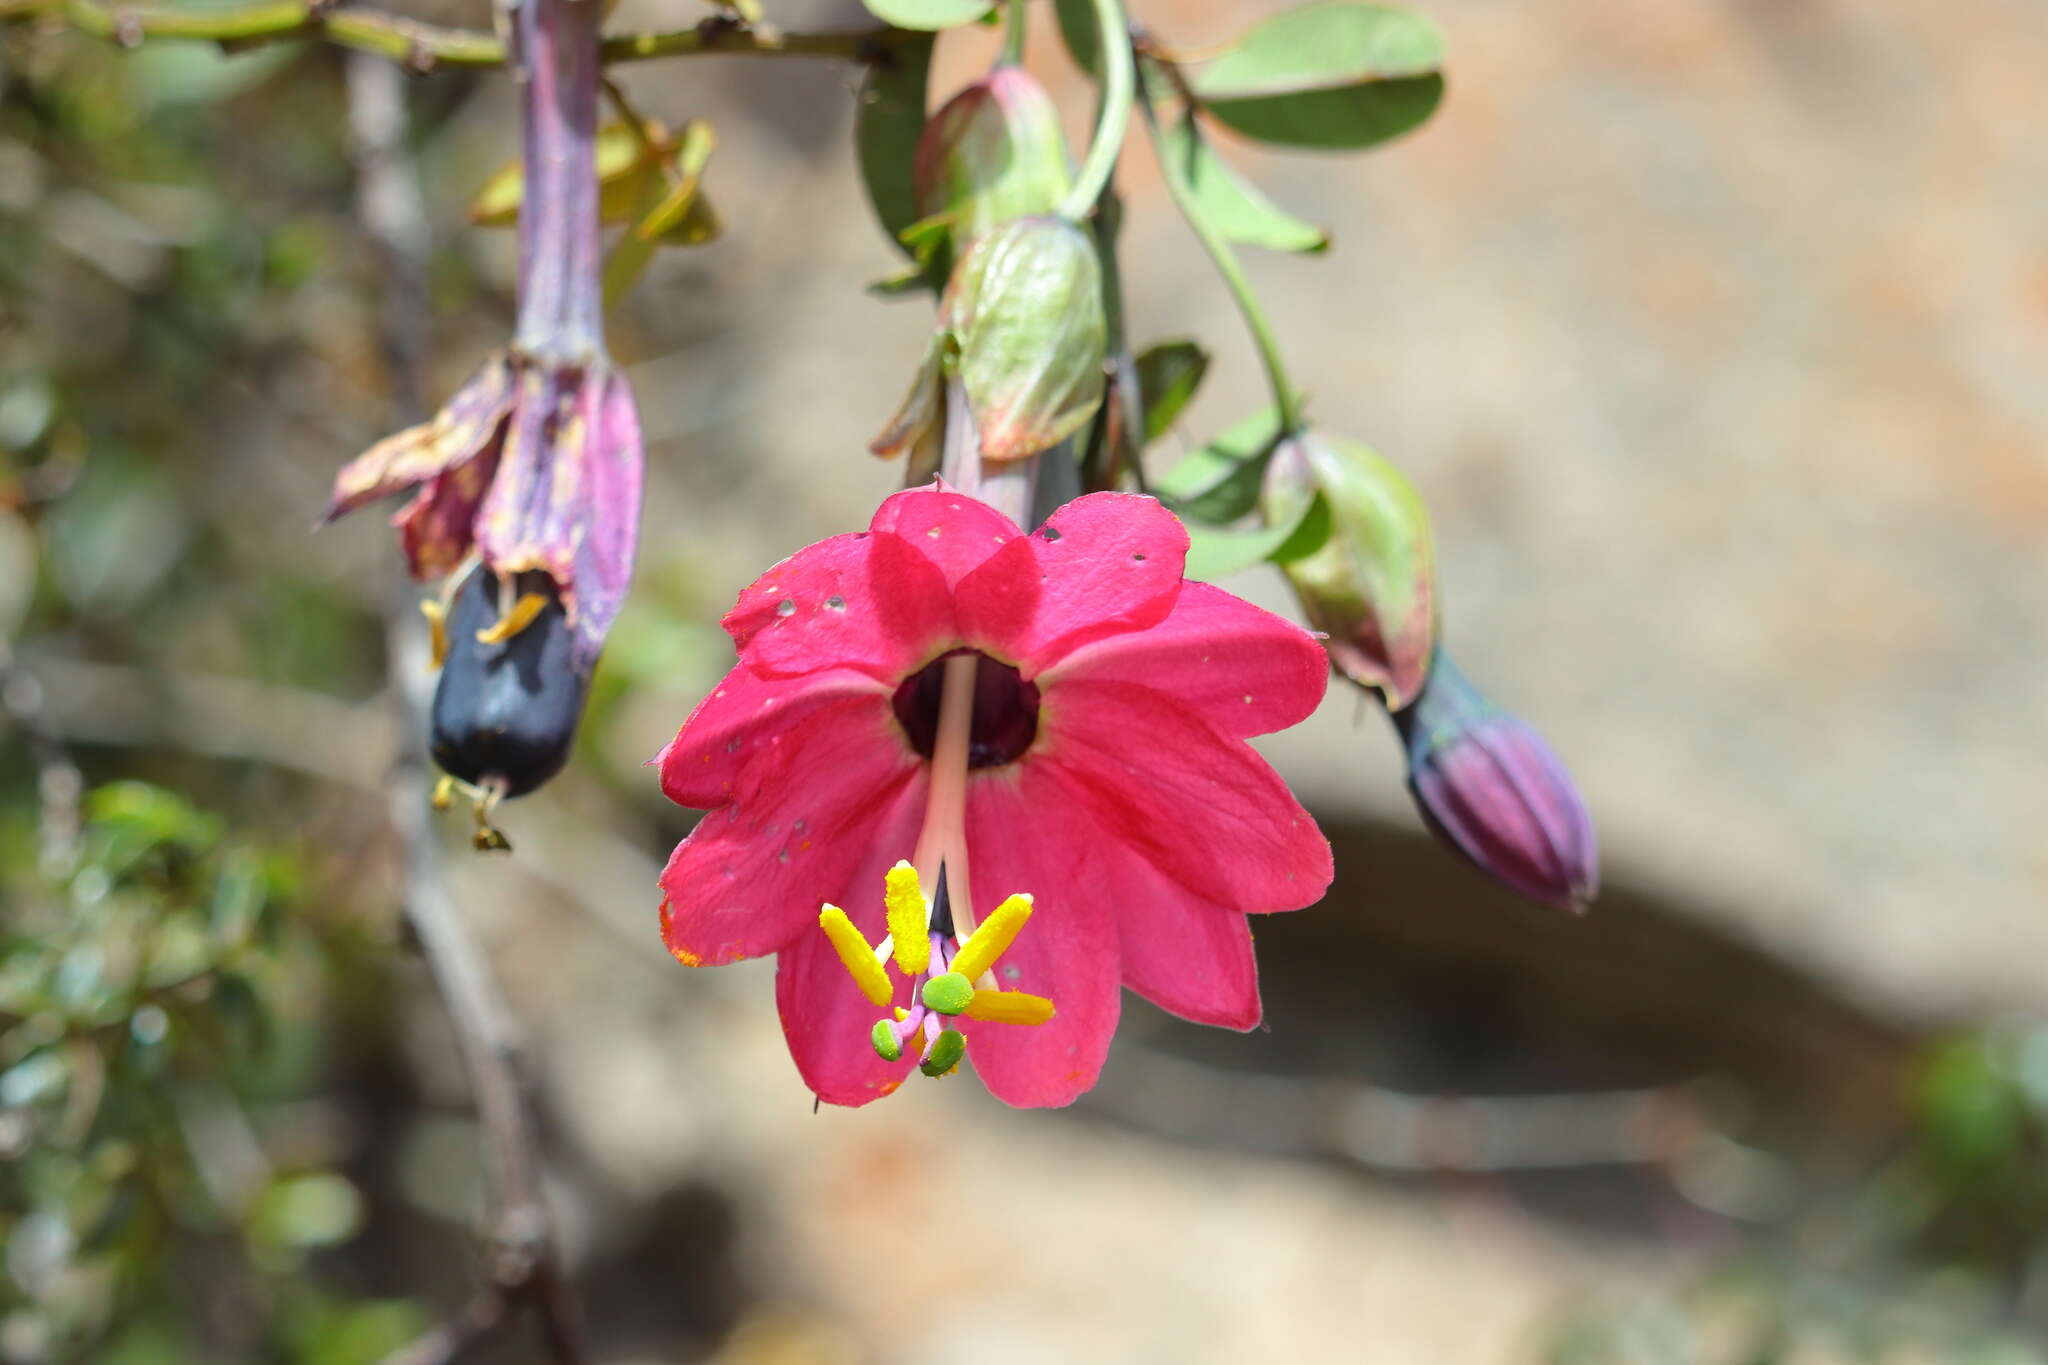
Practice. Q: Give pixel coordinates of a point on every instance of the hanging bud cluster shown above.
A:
(1022, 328)
(1484, 782)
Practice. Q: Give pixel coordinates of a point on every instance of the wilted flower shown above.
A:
(532, 470)
(1488, 786)
(1022, 328)
(1058, 713)
(1371, 585)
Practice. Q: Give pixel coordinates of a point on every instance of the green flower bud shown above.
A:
(993, 153)
(1371, 585)
(1024, 310)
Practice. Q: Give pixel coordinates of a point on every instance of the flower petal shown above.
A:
(604, 554)
(1185, 955)
(741, 717)
(1244, 669)
(1199, 804)
(868, 601)
(1067, 951)
(468, 425)
(801, 817)
(437, 527)
(825, 1017)
(955, 532)
(1102, 565)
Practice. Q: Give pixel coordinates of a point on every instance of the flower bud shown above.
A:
(993, 153)
(1371, 585)
(1489, 787)
(505, 710)
(1024, 310)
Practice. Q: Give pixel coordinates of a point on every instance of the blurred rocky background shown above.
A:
(1715, 332)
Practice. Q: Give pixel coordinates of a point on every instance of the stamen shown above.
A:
(860, 960)
(887, 1045)
(944, 1054)
(1008, 1007)
(437, 630)
(512, 622)
(947, 994)
(444, 792)
(906, 905)
(996, 934)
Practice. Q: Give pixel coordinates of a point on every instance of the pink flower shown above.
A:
(1060, 713)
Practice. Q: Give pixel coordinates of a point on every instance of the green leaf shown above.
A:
(1168, 375)
(1236, 210)
(1336, 75)
(887, 127)
(1078, 30)
(1220, 482)
(928, 15)
(1217, 552)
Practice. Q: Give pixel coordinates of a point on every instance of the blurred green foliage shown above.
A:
(162, 1021)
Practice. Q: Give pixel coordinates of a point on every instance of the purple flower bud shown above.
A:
(1491, 788)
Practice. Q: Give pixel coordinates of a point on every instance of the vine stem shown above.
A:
(422, 46)
(1014, 16)
(1286, 402)
(1113, 31)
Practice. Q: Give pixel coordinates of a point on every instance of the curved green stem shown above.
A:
(1114, 35)
(1013, 32)
(1286, 402)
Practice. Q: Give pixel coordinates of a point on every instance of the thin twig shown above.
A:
(421, 46)
(523, 1267)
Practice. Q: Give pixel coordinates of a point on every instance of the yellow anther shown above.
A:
(861, 962)
(444, 792)
(1008, 1007)
(901, 1014)
(909, 918)
(512, 622)
(437, 629)
(992, 937)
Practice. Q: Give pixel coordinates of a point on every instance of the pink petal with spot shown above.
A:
(1102, 565)
(954, 531)
(872, 602)
(1244, 669)
(802, 816)
(743, 716)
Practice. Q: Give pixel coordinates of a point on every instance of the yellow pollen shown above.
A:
(992, 937)
(437, 630)
(861, 963)
(512, 622)
(908, 918)
(1009, 1007)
